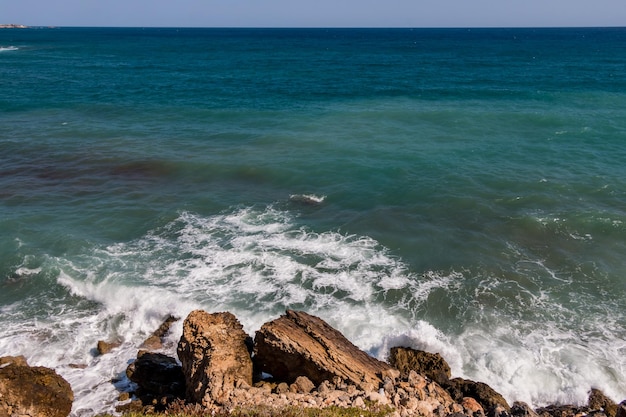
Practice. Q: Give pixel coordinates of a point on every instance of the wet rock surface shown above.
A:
(36, 391)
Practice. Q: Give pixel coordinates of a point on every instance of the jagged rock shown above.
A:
(621, 409)
(27, 391)
(214, 356)
(155, 340)
(481, 392)
(157, 374)
(561, 411)
(298, 344)
(13, 360)
(599, 401)
(498, 411)
(428, 364)
(521, 409)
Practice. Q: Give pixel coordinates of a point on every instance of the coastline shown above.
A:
(486, 228)
(13, 26)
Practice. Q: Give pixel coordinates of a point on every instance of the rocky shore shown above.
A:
(12, 26)
(296, 360)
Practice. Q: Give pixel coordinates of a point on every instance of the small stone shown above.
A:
(389, 386)
(124, 396)
(324, 388)
(358, 402)
(377, 397)
(282, 388)
(367, 386)
(416, 380)
(472, 406)
(303, 385)
(105, 347)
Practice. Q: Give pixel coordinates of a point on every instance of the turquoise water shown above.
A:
(459, 191)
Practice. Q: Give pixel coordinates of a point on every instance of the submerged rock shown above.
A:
(32, 391)
(298, 344)
(155, 340)
(104, 347)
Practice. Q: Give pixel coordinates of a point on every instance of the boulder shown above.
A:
(157, 374)
(486, 396)
(27, 391)
(298, 344)
(599, 401)
(214, 357)
(431, 365)
(302, 384)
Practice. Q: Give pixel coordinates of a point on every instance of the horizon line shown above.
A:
(313, 27)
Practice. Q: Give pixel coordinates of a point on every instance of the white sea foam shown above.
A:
(8, 48)
(310, 199)
(258, 262)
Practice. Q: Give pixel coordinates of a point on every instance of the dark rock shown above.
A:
(298, 344)
(561, 411)
(431, 365)
(32, 391)
(481, 392)
(214, 356)
(158, 375)
(599, 401)
(621, 409)
(521, 409)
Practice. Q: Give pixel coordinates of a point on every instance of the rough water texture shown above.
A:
(456, 191)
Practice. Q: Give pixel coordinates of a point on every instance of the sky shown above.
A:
(315, 13)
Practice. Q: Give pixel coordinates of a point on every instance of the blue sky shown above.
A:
(316, 13)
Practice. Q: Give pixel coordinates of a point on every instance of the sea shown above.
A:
(459, 191)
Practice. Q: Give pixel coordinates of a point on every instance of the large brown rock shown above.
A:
(431, 365)
(214, 357)
(32, 391)
(298, 344)
(481, 392)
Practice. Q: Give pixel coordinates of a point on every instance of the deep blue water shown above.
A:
(457, 190)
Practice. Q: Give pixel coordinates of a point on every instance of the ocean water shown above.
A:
(459, 191)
